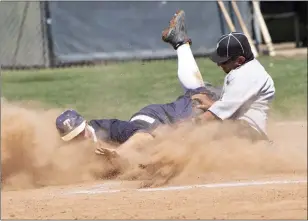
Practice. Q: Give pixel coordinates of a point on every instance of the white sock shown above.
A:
(188, 71)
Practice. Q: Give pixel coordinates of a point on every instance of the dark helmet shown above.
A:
(70, 124)
(230, 46)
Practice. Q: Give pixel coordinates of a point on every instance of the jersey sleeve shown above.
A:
(236, 93)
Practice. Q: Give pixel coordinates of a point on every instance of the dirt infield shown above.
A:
(273, 201)
(44, 179)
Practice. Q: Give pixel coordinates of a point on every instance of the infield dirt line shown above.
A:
(103, 188)
(291, 123)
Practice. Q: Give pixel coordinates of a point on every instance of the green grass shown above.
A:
(119, 90)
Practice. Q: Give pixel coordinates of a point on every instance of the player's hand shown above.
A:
(204, 100)
(104, 151)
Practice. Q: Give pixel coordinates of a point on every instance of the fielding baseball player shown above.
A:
(247, 91)
(71, 125)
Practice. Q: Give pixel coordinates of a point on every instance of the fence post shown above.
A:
(47, 22)
(221, 20)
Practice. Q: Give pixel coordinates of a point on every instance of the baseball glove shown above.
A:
(196, 107)
(200, 103)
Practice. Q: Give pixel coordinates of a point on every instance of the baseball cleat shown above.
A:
(176, 33)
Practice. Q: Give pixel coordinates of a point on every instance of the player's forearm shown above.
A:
(225, 109)
(204, 101)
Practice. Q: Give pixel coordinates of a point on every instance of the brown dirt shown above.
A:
(258, 202)
(33, 156)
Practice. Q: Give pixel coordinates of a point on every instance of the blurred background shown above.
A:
(52, 34)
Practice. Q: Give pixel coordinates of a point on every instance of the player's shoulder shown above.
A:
(252, 69)
(255, 66)
(96, 123)
(252, 73)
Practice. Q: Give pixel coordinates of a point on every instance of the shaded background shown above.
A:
(47, 34)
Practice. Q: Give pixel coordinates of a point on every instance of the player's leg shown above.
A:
(176, 34)
(188, 70)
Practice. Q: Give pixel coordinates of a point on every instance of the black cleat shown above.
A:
(176, 33)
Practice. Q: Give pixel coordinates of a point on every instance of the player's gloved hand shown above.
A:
(204, 101)
(200, 103)
(197, 112)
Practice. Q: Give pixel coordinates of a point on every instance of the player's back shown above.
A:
(255, 109)
(179, 110)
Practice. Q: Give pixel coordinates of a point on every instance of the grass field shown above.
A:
(119, 90)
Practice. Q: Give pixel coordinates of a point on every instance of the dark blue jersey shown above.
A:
(180, 109)
(114, 130)
(119, 131)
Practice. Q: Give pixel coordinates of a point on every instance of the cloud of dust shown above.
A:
(190, 155)
(33, 155)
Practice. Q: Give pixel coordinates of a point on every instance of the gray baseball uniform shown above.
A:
(247, 94)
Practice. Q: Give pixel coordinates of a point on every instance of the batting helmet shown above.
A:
(70, 124)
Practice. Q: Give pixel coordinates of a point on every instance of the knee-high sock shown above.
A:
(188, 71)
